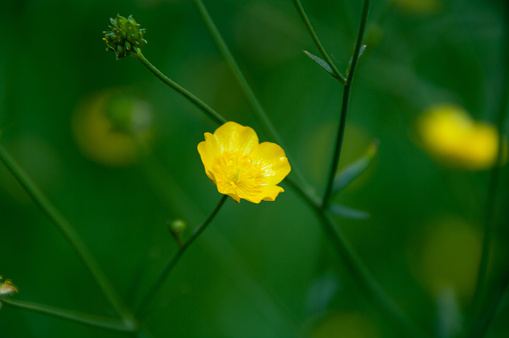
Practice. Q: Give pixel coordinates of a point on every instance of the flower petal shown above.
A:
(233, 137)
(209, 151)
(269, 193)
(272, 161)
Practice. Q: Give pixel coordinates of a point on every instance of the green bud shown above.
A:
(178, 226)
(125, 36)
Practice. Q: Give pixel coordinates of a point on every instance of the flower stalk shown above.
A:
(175, 259)
(211, 113)
(336, 73)
(75, 316)
(494, 178)
(345, 105)
(69, 234)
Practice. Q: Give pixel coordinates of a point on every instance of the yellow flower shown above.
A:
(240, 166)
(112, 126)
(448, 133)
(7, 288)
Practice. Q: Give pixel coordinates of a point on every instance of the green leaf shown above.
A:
(354, 170)
(346, 212)
(322, 63)
(361, 51)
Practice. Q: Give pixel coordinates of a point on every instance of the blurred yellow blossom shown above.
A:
(448, 133)
(240, 166)
(7, 288)
(449, 255)
(110, 127)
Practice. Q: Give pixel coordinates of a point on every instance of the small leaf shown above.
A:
(354, 170)
(322, 63)
(346, 212)
(361, 51)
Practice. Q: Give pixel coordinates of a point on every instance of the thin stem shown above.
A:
(223, 48)
(83, 318)
(354, 264)
(482, 323)
(363, 278)
(175, 259)
(318, 44)
(70, 235)
(345, 104)
(258, 109)
(184, 92)
(490, 206)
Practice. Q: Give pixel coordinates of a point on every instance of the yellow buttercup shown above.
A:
(240, 166)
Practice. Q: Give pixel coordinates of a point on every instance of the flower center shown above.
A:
(236, 172)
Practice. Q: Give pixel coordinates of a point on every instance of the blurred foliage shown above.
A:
(260, 270)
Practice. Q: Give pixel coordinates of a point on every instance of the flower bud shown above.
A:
(125, 36)
(178, 226)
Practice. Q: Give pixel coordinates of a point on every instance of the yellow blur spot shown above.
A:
(450, 257)
(111, 126)
(450, 135)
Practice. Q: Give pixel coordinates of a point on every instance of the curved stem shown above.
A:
(225, 51)
(482, 324)
(318, 44)
(356, 267)
(175, 259)
(184, 92)
(490, 206)
(83, 318)
(70, 235)
(362, 276)
(345, 104)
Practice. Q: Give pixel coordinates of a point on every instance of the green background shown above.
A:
(260, 270)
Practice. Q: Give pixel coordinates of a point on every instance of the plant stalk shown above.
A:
(318, 44)
(83, 318)
(69, 234)
(345, 105)
(175, 259)
(211, 113)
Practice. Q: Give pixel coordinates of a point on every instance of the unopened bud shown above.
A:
(125, 36)
(178, 226)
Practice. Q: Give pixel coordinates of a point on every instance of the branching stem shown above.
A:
(175, 259)
(345, 105)
(69, 234)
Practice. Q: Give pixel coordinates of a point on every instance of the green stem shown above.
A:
(70, 235)
(345, 104)
(482, 323)
(318, 44)
(258, 109)
(364, 279)
(184, 92)
(225, 51)
(175, 259)
(356, 267)
(83, 318)
(493, 184)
